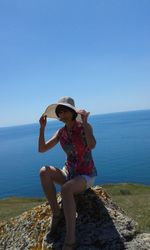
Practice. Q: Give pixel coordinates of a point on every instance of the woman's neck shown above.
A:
(70, 124)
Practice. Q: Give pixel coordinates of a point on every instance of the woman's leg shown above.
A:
(50, 175)
(69, 189)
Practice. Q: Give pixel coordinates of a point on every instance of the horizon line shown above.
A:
(55, 120)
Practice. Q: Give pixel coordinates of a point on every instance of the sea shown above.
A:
(122, 153)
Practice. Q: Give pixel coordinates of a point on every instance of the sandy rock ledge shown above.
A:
(100, 224)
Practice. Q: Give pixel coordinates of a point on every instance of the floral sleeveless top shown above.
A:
(79, 157)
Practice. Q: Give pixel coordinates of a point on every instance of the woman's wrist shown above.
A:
(85, 124)
(42, 128)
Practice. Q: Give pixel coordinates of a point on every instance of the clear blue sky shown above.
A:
(96, 51)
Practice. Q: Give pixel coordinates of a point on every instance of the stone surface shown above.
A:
(100, 224)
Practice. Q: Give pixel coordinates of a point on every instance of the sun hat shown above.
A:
(65, 101)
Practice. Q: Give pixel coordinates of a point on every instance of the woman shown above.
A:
(78, 174)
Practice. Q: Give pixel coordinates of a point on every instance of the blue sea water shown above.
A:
(122, 153)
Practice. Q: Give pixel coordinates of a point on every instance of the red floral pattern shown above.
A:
(79, 157)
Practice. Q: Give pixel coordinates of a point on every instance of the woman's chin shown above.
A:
(62, 120)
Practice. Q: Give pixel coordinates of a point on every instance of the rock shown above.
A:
(100, 224)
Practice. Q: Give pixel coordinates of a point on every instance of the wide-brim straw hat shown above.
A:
(65, 101)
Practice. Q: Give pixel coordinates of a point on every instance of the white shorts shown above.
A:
(89, 180)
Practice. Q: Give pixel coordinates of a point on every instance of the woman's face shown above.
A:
(65, 114)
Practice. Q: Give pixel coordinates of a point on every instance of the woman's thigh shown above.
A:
(55, 174)
(75, 185)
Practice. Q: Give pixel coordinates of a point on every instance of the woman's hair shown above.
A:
(60, 108)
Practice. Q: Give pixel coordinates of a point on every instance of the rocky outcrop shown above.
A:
(100, 224)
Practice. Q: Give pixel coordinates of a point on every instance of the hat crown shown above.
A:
(67, 100)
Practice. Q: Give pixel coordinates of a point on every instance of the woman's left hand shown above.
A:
(84, 115)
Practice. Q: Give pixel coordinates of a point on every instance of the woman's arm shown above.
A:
(91, 142)
(44, 146)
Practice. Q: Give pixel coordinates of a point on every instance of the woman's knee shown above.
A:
(66, 189)
(44, 171)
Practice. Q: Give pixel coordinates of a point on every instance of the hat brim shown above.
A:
(50, 111)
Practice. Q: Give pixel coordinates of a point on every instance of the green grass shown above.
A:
(134, 199)
(14, 206)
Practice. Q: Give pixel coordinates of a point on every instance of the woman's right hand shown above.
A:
(43, 121)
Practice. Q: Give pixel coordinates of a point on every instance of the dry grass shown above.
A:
(14, 206)
(134, 200)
